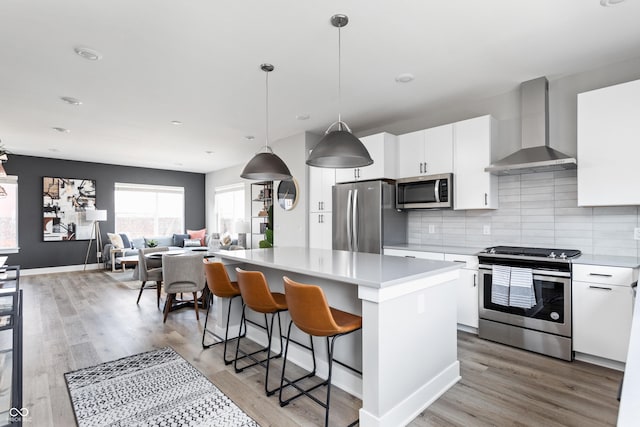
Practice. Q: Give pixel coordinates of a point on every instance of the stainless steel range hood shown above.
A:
(535, 154)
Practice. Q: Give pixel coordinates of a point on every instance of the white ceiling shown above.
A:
(198, 61)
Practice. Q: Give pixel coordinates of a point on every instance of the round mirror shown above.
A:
(288, 194)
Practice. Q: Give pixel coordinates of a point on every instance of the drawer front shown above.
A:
(617, 276)
(470, 261)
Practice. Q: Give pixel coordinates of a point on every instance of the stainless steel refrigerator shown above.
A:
(365, 217)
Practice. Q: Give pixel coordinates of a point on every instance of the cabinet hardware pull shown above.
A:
(425, 167)
(457, 260)
(600, 287)
(409, 256)
(485, 199)
(421, 167)
(475, 279)
(600, 275)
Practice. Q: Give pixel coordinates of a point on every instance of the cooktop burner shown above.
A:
(517, 251)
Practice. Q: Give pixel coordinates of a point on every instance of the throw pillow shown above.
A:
(115, 240)
(126, 243)
(225, 239)
(178, 239)
(198, 234)
(190, 243)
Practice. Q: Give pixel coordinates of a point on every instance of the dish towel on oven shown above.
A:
(521, 292)
(500, 282)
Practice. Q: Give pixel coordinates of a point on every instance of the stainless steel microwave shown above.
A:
(425, 192)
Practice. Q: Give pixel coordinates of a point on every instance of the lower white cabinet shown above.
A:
(466, 288)
(320, 230)
(602, 310)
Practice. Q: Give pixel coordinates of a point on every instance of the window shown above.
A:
(148, 210)
(229, 209)
(8, 214)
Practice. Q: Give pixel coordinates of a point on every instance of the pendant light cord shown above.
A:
(266, 143)
(339, 78)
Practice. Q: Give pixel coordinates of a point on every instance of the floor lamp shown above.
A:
(96, 216)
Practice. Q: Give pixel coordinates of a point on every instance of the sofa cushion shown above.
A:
(178, 239)
(115, 240)
(126, 243)
(190, 243)
(198, 234)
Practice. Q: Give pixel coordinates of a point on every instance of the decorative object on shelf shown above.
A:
(288, 194)
(339, 148)
(64, 203)
(268, 230)
(95, 215)
(265, 164)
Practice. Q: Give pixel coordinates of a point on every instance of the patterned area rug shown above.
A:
(157, 388)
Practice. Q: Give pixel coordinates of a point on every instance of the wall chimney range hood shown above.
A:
(535, 154)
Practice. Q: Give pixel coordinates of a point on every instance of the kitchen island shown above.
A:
(407, 348)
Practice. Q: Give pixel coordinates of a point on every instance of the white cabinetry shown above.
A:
(321, 181)
(608, 145)
(467, 289)
(320, 230)
(426, 152)
(383, 148)
(602, 310)
(473, 187)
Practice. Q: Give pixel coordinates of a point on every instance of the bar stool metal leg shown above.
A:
(226, 333)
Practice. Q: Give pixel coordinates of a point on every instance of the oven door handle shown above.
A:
(536, 273)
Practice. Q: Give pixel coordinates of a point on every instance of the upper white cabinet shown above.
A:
(609, 145)
(321, 181)
(383, 148)
(426, 152)
(473, 188)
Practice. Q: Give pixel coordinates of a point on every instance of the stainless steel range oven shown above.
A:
(545, 327)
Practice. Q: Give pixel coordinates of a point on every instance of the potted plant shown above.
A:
(268, 232)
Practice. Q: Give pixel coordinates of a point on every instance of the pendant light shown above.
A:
(339, 148)
(265, 164)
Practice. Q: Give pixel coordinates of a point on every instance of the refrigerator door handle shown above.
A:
(355, 220)
(349, 210)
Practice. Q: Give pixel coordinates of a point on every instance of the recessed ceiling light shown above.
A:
(404, 78)
(89, 54)
(249, 137)
(178, 164)
(62, 130)
(607, 3)
(53, 150)
(71, 101)
(209, 152)
(176, 122)
(303, 116)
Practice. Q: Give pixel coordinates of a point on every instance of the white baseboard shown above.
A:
(600, 361)
(61, 269)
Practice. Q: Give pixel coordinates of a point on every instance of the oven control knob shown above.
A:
(552, 255)
(554, 315)
(563, 256)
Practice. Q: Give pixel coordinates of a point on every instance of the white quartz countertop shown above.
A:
(459, 250)
(608, 260)
(372, 270)
(629, 412)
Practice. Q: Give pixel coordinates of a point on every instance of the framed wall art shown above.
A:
(64, 205)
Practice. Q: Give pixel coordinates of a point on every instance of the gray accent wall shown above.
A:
(35, 253)
(538, 209)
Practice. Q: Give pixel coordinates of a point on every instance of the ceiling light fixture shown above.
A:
(339, 148)
(176, 122)
(266, 165)
(404, 78)
(89, 54)
(607, 3)
(249, 137)
(71, 101)
(61, 130)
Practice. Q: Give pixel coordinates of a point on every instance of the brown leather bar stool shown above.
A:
(221, 286)
(257, 296)
(311, 313)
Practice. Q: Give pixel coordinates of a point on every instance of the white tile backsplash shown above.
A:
(538, 209)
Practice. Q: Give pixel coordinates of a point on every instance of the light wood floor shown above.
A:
(74, 320)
